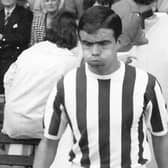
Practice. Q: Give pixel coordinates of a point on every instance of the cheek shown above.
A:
(86, 52)
(107, 52)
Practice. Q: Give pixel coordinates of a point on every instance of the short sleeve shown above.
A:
(55, 119)
(156, 112)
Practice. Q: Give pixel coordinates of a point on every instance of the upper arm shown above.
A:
(156, 112)
(55, 119)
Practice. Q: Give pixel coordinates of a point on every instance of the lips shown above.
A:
(96, 62)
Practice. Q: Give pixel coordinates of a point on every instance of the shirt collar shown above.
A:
(9, 10)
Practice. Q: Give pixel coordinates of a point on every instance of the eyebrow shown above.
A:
(96, 42)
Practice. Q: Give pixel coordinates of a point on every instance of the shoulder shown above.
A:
(144, 76)
(139, 73)
(24, 11)
(70, 75)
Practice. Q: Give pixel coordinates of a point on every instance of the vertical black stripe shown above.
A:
(141, 159)
(56, 116)
(60, 87)
(127, 115)
(104, 123)
(81, 95)
(150, 95)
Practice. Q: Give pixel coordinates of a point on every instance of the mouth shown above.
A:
(96, 62)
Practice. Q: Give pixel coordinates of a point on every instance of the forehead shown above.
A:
(100, 35)
(8, 1)
(51, 0)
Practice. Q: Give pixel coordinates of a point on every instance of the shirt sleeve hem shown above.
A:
(52, 137)
(162, 133)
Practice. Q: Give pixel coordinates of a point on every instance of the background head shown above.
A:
(51, 6)
(63, 30)
(89, 3)
(144, 2)
(144, 5)
(100, 17)
(8, 3)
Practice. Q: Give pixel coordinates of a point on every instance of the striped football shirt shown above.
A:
(109, 116)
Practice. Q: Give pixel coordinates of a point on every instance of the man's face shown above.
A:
(8, 3)
(99, 50)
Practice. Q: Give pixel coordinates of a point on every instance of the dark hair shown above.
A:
(89, 3)
(144, 2)
(63, 29)
(98, 17)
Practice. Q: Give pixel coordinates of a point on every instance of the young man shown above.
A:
(15, 28)
(108, 105)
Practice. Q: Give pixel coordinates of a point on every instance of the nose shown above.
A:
(95, 50)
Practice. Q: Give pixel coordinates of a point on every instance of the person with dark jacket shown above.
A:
(15, 28)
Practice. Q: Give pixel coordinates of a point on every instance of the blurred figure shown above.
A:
(79, 6)
(162, 5)
(15, 28)
(42, 19)
(76, 6)
(153, 57)
(132, 34)
(32, 76)
(89, 3)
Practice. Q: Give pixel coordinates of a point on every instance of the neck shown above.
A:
(51, 14)
(49, 19)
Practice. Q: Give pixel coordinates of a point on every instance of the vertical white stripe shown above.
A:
(138, 103)
(116, 85)
(93, 120)
(70, 102)
(146, 146)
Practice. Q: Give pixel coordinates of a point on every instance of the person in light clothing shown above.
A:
(153, 57)
(31, 78)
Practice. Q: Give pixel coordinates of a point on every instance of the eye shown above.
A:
(86, 43)
(104, 43)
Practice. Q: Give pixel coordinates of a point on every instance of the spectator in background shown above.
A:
(42, 19)
(15, 28)
(89, 3)
(79, 6)
(30, 79)
(153, 57)
(132, 33)
(76, 6)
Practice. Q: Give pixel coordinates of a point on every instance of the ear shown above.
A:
(123, 43)
(118, 44)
